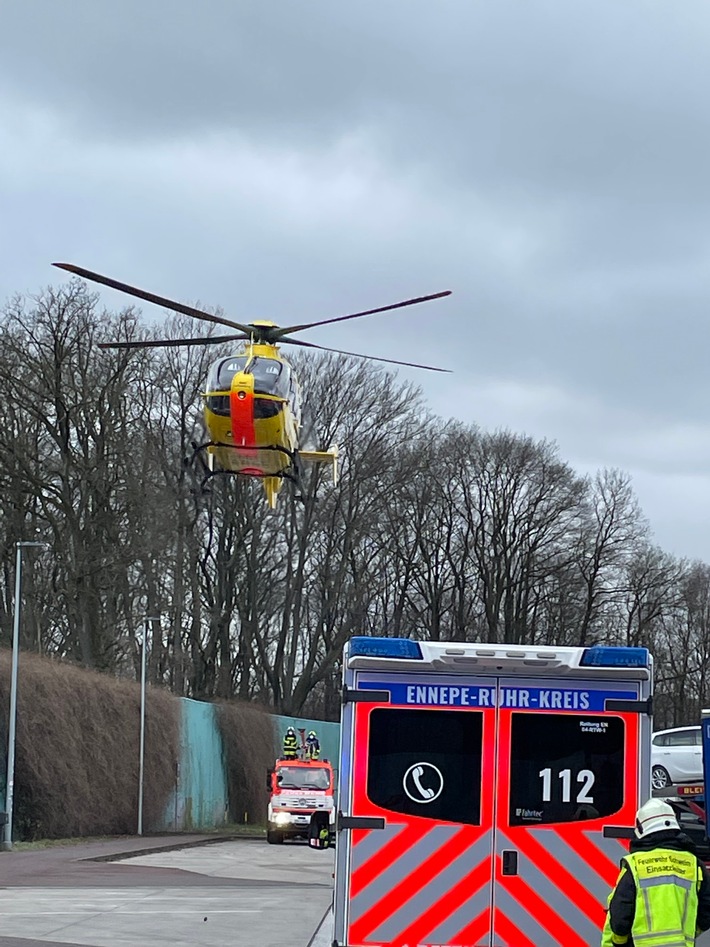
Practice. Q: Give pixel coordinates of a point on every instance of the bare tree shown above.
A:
(612, 529)
(435, 530)
(522, 504)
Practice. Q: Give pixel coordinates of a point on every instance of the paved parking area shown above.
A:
(226, 894)
(254, 895)
(254, 862)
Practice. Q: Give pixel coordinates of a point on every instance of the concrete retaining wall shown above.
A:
(200, 799)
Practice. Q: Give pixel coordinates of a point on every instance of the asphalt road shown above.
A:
(223, 894)
(241, 893)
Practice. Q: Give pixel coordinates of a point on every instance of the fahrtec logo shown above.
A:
(528, 813)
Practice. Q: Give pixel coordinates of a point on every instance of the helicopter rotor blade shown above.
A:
(280, 333)
(373, 358)
(165, 343)
(151, 297)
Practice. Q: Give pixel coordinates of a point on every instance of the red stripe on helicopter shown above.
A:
(241, 408)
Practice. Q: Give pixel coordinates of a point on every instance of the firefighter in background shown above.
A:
(312, 746)
(319, 831)
(291, 745)
(662, 895)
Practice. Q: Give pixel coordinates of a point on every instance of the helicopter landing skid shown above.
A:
(294, 476)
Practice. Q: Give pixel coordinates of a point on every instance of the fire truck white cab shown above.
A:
(486, 791)
(298, 790)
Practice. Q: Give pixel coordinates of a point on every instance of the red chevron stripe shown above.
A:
(478, 932)
(506, 931)
(560, 932)
(547, 864)
(417, 932)
(380, 860)
(419, 877)
(604, 866)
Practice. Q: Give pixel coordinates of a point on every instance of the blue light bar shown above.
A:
(385, 648)
(608, 656)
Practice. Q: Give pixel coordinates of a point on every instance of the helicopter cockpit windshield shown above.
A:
(221, 372)
(271, 376)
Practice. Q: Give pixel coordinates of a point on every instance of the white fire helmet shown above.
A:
(655, 816)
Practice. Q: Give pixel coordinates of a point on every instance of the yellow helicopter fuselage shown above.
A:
(250, 403)
(251, 399)
(252, 415)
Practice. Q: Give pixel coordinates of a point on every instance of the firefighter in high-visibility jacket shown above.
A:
(290, 745)
(662, 896)
(312, 745)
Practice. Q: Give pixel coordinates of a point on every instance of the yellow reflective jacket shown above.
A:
(290, 745)
(657, 896)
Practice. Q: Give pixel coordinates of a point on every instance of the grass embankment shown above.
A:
(77, 756)
(77, 751)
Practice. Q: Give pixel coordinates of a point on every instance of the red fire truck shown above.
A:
(486, 791)
(297, 790)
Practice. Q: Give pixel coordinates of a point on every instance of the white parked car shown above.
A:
(676, 756)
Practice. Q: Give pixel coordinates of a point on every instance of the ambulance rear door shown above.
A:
(414, 854)
(568, 765)
(484, 806)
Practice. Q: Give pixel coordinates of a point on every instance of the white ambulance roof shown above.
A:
(370, 653)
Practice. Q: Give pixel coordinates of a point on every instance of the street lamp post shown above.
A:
(12, 725)
(141, 762)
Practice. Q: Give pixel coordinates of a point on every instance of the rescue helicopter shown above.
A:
(251, 401)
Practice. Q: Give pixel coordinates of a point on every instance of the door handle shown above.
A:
(510, 862)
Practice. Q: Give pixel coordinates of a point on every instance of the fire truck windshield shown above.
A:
(295, 777)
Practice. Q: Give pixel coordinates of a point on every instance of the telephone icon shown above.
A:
(414, 779)
(417, 774)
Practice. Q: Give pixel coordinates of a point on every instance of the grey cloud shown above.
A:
(588, 113)
(545, 160)
(497, 75)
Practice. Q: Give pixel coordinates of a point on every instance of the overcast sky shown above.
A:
(549, 162)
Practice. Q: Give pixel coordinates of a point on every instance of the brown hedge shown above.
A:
(77, 750)
(248, 743)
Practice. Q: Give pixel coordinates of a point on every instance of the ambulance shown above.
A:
(487, 792)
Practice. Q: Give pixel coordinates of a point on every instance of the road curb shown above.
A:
(156, 849)
(320, 934)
